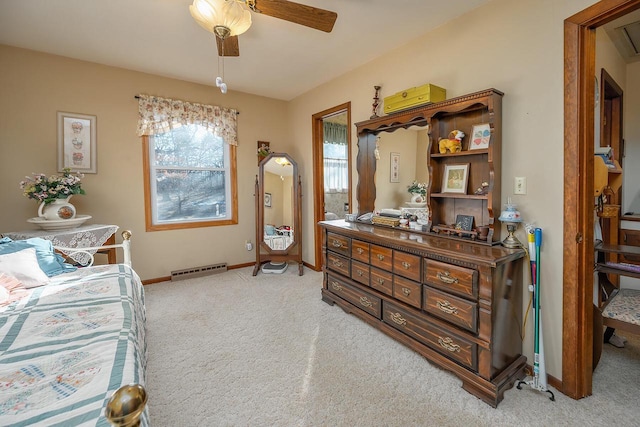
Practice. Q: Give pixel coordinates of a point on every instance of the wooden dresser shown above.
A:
(456, 303)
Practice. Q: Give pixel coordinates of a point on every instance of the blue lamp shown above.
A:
(510, 216)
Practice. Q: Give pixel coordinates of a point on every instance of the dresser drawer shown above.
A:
(360, 251)
(338, 243)
(339, 263)
(382, 281)
(381, 257)
(407, 291)
(406, 265)
(451, 345)
(453, 309)
(451, 278)
(360, 272)
(356, 296)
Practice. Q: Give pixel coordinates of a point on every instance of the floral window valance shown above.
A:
(159, 115)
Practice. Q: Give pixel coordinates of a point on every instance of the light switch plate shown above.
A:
(520, 185)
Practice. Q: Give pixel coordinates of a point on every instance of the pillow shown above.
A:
(23, 265)
(11, 289)
(50, 262)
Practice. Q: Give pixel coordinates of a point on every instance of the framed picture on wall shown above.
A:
(480, 137)
(455, 178)
(267, 199)
(77, 142)
(394, 171)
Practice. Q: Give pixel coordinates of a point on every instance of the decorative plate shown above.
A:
(59, 224)
(416, 205)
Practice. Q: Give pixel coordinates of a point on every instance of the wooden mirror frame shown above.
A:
(264, 253)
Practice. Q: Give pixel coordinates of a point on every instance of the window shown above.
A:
(336, 167)
(190, 179)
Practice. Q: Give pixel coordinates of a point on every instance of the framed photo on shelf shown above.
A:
(480, 137)
(465, 222)
(77, 142)
(394, 171)
(267, 199)
(455, 178)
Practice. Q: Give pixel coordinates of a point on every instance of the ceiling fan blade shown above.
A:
(297, 13)
(231, 47)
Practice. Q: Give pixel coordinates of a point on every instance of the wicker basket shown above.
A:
(609, 211)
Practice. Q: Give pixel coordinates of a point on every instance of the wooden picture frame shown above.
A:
(455, 178)
(480, 137)
(394, 171)
(267, 200)
(77, 142)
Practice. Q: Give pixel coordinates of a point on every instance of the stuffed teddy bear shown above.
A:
(453, 143)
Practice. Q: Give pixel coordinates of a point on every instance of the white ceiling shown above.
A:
(277, 59)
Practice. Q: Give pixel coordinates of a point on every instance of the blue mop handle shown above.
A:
(536, 299)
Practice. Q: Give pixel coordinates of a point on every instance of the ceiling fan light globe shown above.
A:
(210, 14)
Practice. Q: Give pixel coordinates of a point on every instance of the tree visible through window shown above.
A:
(191, 179)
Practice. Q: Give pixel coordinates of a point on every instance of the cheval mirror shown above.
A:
(278, 214)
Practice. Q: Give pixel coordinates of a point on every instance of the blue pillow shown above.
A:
(50, 262)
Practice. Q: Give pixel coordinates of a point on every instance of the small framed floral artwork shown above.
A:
(394, 172)
(267, 199)
(480, 137)
(77, 142)
(455, 178)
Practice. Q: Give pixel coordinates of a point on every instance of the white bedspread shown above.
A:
(69, 345)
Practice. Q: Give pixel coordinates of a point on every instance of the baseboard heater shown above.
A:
(206, 270)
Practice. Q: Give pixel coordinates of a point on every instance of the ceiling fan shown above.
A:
(232, 12)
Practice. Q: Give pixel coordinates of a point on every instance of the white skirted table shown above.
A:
(88, 235)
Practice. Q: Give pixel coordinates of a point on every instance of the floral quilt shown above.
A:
(67, 346)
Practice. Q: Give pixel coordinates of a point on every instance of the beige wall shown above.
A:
(34, 86)
(515, 47)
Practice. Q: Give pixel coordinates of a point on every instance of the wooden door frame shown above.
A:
(318, 175)
(578, 259)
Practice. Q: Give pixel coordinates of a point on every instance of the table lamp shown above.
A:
(510, 216)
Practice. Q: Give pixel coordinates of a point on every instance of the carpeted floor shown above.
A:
(236, 350)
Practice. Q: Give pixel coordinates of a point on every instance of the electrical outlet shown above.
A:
(249, 245)
(520, 185)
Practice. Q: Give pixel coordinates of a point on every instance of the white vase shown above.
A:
(417, 198)
(57, 210)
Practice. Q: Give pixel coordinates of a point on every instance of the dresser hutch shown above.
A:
(455, 300)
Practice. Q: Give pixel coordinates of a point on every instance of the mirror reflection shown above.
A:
(278, 203)
(411, 146)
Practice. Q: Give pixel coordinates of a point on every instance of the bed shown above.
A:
(67, 345)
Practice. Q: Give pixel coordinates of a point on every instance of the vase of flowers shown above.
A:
(418, 191)
(53, 192)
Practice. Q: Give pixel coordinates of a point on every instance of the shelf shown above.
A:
(461, 153)
(460, 196)
(603, 268)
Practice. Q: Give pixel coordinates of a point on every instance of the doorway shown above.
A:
(331, 169)
(579, 104)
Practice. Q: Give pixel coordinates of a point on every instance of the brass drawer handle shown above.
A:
(360, 250)
(406, 265)
(360, 273)
(447, 344)
(336, 286)
(447, 307)
(406, 291)
(397, 318)
(445, 277)
(337, 243)
(380, 257)
(364, 301)
(337, 263)
(381, 281)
